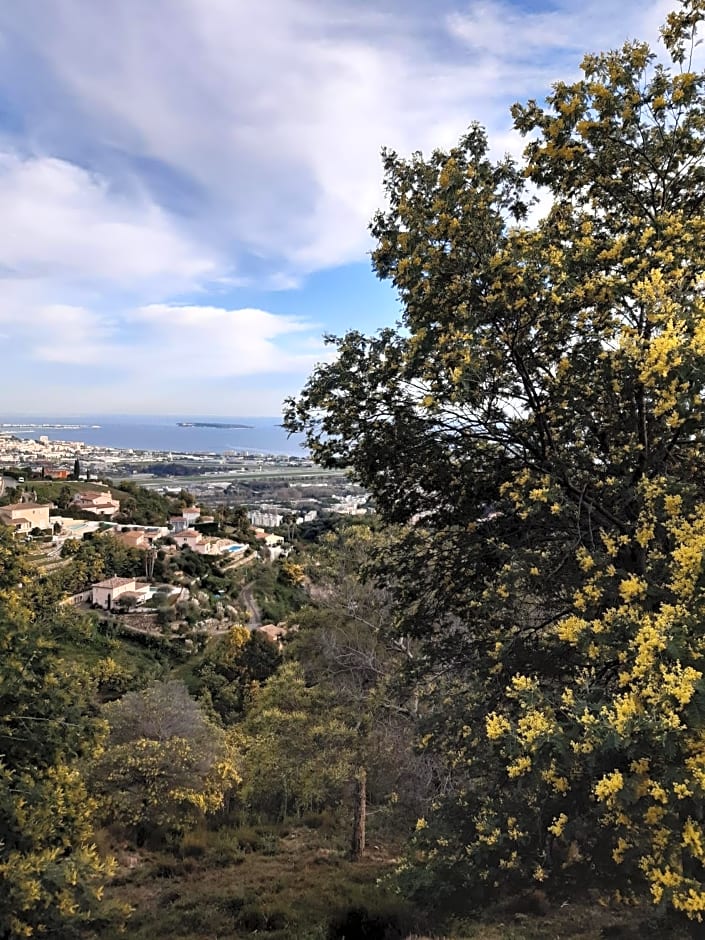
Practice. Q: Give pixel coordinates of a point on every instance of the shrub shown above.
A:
(361, 923)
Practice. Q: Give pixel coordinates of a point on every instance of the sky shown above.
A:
(186, 185)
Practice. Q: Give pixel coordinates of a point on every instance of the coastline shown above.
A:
(199, 435)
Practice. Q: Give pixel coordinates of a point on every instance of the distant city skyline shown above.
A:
(187, 184)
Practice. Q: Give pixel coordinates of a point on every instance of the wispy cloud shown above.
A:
(171, 151)
(263, 122)
(61, 222)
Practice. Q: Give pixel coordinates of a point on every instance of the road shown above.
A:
(311, 474)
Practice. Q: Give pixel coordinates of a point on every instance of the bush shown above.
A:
(233, 905)
(224, 849)
(193, 845)
(326, 821)
(360, 923)
(257, 839)
(167, 870)
(254, 918)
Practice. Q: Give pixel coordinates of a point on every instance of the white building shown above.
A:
(191, 515)
(187, 518)
(23, 517)
(259, 517)
(207, 545)
(105, 593)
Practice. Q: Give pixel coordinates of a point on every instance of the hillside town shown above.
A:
(272, 487)
(156, 554)
(57, 456)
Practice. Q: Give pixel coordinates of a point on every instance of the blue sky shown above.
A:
(186, 184)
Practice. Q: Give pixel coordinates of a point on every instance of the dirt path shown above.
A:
(248, 600)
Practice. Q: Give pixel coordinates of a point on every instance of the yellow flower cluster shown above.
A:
(558, 825)
(533, 725)
(653, 815)
(693, 839)
(585, 560)
(559, 783)
(663, 354)
(626, 708)
(620, 849)
(513, 831)
(609, 787)
(496, 726)
(632, 588)
(650, 640)
(571, 628)
(520, 766)
(679, 682)
(521, 683)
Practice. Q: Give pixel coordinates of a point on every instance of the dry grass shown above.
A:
(234, 882)
(288, 884)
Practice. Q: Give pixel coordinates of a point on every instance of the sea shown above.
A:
(162, 433)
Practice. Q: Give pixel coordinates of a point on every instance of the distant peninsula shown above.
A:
(210, 424)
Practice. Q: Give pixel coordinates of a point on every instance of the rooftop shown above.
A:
(114, 582)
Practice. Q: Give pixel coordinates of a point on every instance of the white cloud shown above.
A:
(163, 340)
(185, 147)
(216, 342)
(62, 223)
(70, 335)
(272, 114)
(553, 38)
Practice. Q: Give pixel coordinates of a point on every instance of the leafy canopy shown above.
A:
(165, 765)
(51, 874)
(537, 419)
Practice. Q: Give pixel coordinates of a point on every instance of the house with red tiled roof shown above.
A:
(107, 593)
(132, 538)
(99, 502)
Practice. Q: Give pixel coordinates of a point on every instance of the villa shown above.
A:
(23, 517)
(106, 593)
(206, 545)
(98, 502)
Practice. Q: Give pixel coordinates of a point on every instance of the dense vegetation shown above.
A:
(536, 425)
(494, 694)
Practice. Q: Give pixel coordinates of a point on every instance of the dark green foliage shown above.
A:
(48, 731)
(165, 764)
(64, 498)
(536, 422)
(315, 530)
(360, 923)
(14, 568)
(276, 595)
(229, 670)
(142, 506)
(96, 556)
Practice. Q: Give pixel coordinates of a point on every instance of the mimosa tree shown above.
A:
(537, 421)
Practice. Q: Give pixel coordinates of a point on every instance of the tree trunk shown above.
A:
(357, 847)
